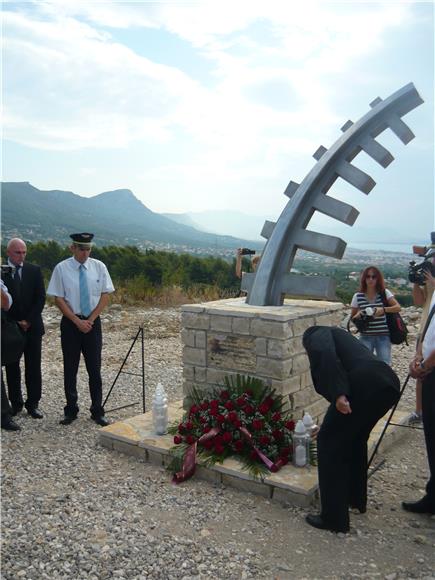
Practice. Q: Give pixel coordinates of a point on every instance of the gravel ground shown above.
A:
(74, 510)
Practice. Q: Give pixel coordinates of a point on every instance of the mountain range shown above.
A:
(115, 217)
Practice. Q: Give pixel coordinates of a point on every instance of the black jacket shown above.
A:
(340, 363)
(29, 299)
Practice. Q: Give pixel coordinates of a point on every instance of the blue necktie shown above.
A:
(85, 305)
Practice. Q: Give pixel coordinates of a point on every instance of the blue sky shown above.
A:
(215, 105)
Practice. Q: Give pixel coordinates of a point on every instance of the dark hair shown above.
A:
(380, 284)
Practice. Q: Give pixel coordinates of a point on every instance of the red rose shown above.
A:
(219, 449)
(227, 437)
(202, 420)
(290, 425)
(206, 428)
(193, 409)
(208, 444)
(268, 401)
(277, 434)
(264, 408)
(232, 417)
(240, 401)
(214, 403)
(276, 416)
(218, 440)
(181, 428)
(229, 406)
(257, 424)
(238, 445)
(189, 426)
(178, 440)
(264, 440)
(237, 423)
(249, 409)
(225, 395)
(204, 405)
(253, 454)
(214, 412)
(190, 439)
(220, 418)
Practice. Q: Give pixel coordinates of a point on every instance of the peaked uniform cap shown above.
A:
(84, 239)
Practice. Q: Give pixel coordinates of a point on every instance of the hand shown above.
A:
(342, 405)
(415, 369)
(430, 280)
(84, 326)
(24, 325)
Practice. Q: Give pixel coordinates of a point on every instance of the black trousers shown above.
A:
(428, 407)
(90, 344)
(342, 448)
(6, 411)
(32, 374)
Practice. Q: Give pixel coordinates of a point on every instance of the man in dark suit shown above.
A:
(26, 285)
(7, 422)
(361, 388)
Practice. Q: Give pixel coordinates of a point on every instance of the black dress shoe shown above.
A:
(101, 421)
(35, 413)
(10, 425)
(419, 507)
(67, 420)
(317, 522)
(16, 409)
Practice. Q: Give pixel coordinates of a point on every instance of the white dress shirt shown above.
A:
(65, 284)
(429, 337)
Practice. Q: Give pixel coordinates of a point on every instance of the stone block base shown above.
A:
(230, 337)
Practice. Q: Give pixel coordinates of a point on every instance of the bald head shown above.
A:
(16, 251)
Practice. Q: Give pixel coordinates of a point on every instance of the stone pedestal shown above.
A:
(229, 337)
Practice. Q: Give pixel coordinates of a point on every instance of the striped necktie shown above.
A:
(85, 305)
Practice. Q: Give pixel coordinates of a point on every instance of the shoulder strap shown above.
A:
(426, 326)
(384, 297)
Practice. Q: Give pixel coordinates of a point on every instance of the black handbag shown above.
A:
(13, 340)
(396, 325)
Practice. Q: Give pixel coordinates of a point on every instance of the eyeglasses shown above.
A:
(371, 276)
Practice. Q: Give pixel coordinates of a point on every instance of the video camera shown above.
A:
(6, 269)
(416, 272)
(247, 252)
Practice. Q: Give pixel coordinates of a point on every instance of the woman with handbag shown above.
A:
(373, 300)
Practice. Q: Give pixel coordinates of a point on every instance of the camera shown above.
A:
(247, 252)
(416, 271)
(362, 321)
(6, 269)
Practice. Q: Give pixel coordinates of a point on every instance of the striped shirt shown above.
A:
(376, 325)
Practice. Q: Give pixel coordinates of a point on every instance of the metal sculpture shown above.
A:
(272, 280)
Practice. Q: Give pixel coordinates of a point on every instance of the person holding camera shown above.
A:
(26, 286)
(239, 258)
(422, 291)
(372, 302)
(81, 286)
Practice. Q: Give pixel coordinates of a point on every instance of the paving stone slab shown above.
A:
(299, 486)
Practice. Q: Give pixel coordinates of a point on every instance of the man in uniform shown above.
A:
(81, 287)
(26, 286)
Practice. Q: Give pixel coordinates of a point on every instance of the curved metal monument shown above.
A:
(273, 279)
